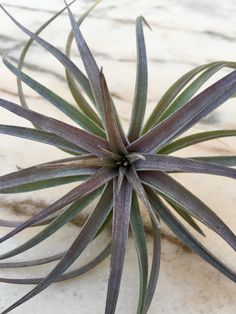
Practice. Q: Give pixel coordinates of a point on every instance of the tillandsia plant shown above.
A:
(118, 169)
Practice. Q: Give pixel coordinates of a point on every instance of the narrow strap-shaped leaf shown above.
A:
(43, 172)
(34, 262)
(87, 141)
(44, 184)
(120, 227)
(100, 178)
(89, 230)
(15, 223)
(67, 63)
(77, 116)
(26, 49)
(227, 161)
(169, 163)
(137, 186)
(171, 93)
(195, 139)
(141, 85)
(40, 136)
(92, 71)
(185, 216)
(184, 235)
(113, 133)
(80, 100)
(183, 119)
(141, 248)
(54, 226)
(189, 92)
(155, 267)
(173, 190)
(72, 274)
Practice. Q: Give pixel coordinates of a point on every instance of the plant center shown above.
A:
(123, 162)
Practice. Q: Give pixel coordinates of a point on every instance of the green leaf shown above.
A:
(171, 93)
(26, 49)
(45, 184)
(195, 139)
(227, 161)
(187, 94)
(80, 118)
(187, 116)
(141, 86)
(67, 63)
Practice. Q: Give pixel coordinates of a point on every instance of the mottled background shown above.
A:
(185, 34)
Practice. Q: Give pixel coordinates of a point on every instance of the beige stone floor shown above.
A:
(185, 34)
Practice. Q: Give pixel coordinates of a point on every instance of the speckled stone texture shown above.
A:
(185, 34)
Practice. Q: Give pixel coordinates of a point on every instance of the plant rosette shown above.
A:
(117, 168)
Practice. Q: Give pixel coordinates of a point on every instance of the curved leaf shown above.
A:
(141, 86)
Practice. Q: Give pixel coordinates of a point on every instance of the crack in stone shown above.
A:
(28, 207)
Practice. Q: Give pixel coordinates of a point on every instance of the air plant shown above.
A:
(120, 170)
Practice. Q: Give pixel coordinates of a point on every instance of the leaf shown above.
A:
(227, 161)
(100, 178)
(195, 139)
(171, 93)
(92, 71)
(187, 94)
(86, 235)
(40, 136)
(171, 189)
(120, 227)
(80, 118)
(67, 63)
(137, 186)
(184, 235)
(26, 49)
(54, 226)
(141, 248)
(155, 268)
(87, 141)
(141, 86)
(187, 116)
(113, 133)
(32, 263)
(81, 102)
(172, 164)
(44, 172)
(185, 216)
(72, 274)
(39, 185)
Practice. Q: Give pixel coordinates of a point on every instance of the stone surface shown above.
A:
(185, 34)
